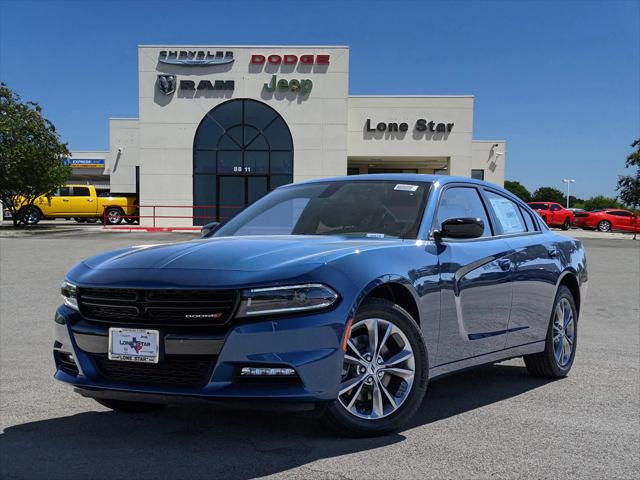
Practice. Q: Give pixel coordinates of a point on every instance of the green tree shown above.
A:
(600, 201)
(549, 194)
(575, 200)
(629, 185)
(518, 190)
(31, 154)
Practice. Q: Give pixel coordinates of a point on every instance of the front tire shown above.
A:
(384, 375)
(129, 407)
(604, 226)
(561, 341)
(30, 215)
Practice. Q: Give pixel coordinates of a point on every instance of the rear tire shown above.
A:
(604, 226)
(382, 400)
(130, 407)
(561, 341)
(113, 216)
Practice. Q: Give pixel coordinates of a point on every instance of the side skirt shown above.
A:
(486, 358)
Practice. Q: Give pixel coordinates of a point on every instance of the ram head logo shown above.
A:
(167, 84)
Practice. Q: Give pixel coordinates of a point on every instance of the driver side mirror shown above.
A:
(460, 228)
(209, 229)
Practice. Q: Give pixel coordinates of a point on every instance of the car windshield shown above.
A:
(361, 208)
(539, 206)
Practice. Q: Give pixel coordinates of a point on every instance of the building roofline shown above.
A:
(88, 151)
(411, 96)
(210, 45)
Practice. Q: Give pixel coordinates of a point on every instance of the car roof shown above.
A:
(400, 177)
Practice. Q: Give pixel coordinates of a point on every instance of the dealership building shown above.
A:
(219, 126)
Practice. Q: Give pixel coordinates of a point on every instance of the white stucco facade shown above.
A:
(331, 133)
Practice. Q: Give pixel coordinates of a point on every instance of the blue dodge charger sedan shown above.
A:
(346, 295)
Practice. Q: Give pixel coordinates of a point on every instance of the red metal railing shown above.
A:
(156, 214)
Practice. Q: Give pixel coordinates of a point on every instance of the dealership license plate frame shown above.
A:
(147, 354)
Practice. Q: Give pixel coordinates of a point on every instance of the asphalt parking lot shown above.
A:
(495, 422)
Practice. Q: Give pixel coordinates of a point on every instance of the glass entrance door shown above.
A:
(235, 192)
(242, 149)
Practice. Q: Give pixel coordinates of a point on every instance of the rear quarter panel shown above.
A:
(127, 204)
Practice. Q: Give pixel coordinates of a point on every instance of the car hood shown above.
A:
(248, 254)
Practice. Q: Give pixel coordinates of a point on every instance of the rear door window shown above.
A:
(81, 192)
(507, 212)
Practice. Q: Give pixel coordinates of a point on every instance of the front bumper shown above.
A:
(310, 344)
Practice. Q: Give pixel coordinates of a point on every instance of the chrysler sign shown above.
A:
(195, 57)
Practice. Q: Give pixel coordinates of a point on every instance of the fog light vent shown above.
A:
(267, 372)
(66, 362)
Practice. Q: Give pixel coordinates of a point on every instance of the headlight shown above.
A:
(289, 299)
(69, 294)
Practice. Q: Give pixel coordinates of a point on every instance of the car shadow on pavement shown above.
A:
(217, 443)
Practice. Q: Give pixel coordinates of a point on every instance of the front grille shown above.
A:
(157, 307)
(172, 371)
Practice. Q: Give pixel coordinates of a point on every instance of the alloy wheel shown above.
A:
(563, 333)
(30, 217)
(113, 216)
(378, 370)
(604, 226)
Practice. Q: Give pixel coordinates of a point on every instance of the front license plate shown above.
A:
(133, 345)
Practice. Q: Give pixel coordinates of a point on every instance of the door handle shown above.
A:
(505, 264)
(65, 199)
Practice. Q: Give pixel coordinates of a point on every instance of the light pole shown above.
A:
(568, 181)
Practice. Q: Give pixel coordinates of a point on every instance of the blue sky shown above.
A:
(559, 80)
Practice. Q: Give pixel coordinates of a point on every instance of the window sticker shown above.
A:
(507, 214)
(374, 235)
(406, 188)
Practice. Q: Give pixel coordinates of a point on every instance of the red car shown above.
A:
(554, 214)
(608, 219)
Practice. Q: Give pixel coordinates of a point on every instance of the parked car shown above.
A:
(346, 295)
(79, 202)
(607, 220)
(554, 214)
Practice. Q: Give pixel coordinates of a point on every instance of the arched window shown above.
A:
(242, 150)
